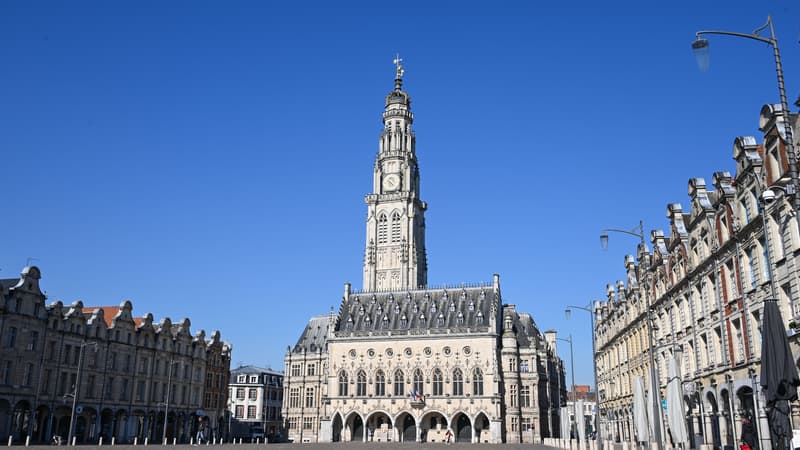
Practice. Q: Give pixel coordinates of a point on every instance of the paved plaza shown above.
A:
(324, 446)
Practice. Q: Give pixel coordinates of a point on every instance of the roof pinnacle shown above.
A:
(398, 81)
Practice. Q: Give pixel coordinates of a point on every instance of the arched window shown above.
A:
(395, 227)
(361, 384)
(343, 383)
(458, 382)
(477, 382)
(418, 382)
(479, 318)
(398, 383)
(380, 384)
(383, 225)
(438, 387)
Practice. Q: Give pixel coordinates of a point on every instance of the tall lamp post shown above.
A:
(654, 383)
(700, 47)
(76, 390)
(567, 313)
(572, 369)
(170, 365)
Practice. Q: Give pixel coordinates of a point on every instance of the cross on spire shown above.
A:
(398, 62)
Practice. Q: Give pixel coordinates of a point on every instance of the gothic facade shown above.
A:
(704, 285)
(401, 361)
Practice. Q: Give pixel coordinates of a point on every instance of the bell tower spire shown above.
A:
(395, 257)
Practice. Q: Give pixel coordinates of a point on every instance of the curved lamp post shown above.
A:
(654, 383)
(700, 47)
(567, 313)
(572, 369)
(76, 390)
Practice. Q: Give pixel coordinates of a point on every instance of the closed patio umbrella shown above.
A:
(675, 409)
(779, 378)
(640, 420)
(579, 420)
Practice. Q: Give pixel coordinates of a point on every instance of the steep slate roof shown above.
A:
(250, 369)
(10, 282)
(456, 309)
(315, 335)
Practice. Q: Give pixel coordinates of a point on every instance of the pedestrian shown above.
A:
(448, 436)
(748, 435)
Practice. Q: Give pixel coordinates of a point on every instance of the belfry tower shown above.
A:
(395, 255)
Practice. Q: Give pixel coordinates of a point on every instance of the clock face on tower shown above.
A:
(391, 182)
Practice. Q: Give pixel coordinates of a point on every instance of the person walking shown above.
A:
(748, 435)
(448, 436)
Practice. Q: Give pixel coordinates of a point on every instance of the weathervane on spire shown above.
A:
(398, 62)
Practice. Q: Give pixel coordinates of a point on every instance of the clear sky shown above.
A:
(209, 159)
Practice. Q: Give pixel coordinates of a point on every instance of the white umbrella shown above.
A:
(564, 423)
(579, 419)
(640, 411)
(675, 408)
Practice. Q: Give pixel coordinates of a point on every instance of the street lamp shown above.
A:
(572, 369)
(76, 389)
(567, 313)
(654, 383)
(170, 365)
(700, 47)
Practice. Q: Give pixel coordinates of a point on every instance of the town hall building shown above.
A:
(404, 362)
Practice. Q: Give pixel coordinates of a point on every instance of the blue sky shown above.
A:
(209, 159)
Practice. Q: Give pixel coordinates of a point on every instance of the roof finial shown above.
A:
(398, 62)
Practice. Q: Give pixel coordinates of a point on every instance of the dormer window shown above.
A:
(361, 310)
(422, 319)
(460, 318)
(452, 306)
(396, 308)
(374, 299)
(479, 318)
(444, 295)
(471, 305)
(379, 309)
(433, 307)
(415, 308)
(349, 325)
(440, 321)
(464, 295)
(385, 321)
(404, 321)
(367, 320)
(483, 294)
(355, 300)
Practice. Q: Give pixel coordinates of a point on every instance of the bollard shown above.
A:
(74, 440)
(9, 441)
(146, 440)
(215, 440)
(100, 442)
(136, 440)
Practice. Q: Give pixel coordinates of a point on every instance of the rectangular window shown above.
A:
(764, 259)
(239, 411)
(295, 370)
(526, 424)
(27, 380)
(311, 369)
(512, 364)
(251, 412)
(523, 365)
(240, 393)
(294, 397)
(308, 423)
(5, 374)
(514, 424)
(512, 393)
(12, 337)
(34, 341)
(525, 396)
(46, 381)
(254, 379)
(140, 391)
(252, 393)
(309, 397)
(751, 267)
